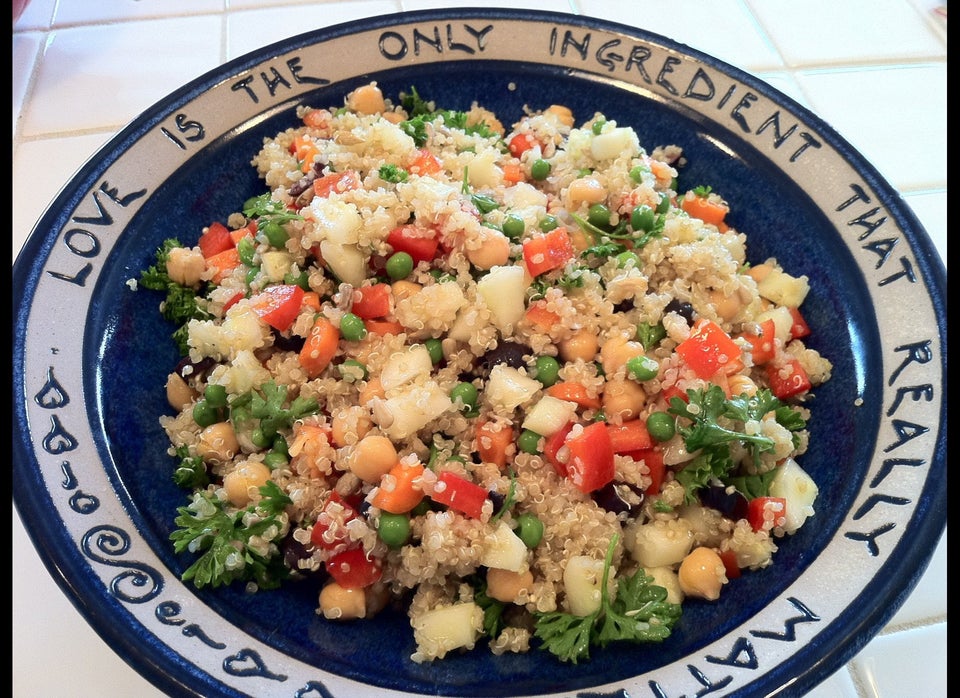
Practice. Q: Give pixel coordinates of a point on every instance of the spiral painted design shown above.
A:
(105, 543)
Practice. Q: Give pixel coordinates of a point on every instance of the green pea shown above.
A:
(399, 265)
(548, 370)
(275, 233)
(529, 441)
(599, 215)
(643, 218)
(642, 368)
(467, 393)
(625, 258)
(352, 371)
(637, 172)
(274, 460)
(280, 445)
(435, 348)
(529, 530)
(252, 274)
(246, 249)
(393, 529)
(215, 395)
(513, 226)
(598, 127)
(540, 169)
(664, 204)
(205, 414)
(661, 425)
(352, 328)
(548, 223)
(302, 279)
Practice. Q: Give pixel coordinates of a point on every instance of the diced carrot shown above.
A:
(538, 315)
(320, 347)
(512, 173)
(223, 263)
(215, 239)
(311, 299)
(399, 489)
(246, 231)
(710, 208)
(631, 435)
(337, 182)
(521, 143)
(383, 326)
(574, 392)
(425, 164)
(493, 441)
(305, 150)
(316, 118)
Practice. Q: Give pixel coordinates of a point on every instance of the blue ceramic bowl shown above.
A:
(92, 479)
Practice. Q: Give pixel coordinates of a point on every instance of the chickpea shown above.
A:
(563, 114)
(758, 272)
(404, 289)
(337, 602)
(373, 457)
(727, 306)
(616, 352)
(185, 265)
(372, 389)
(179, 394)
(582, 344)
(243, 482)
(504, 585)
(367, 99)
(393, 117)
(586, 190)
(218, 443)
(349, 424)
(623, 397)
(494, 250)
(740, 384)
(702, 574)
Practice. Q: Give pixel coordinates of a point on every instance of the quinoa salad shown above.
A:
(519, 381)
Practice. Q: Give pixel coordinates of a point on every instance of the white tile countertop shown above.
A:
(874, 69)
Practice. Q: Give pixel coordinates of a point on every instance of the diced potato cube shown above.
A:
(275, 264)
(446, 628)
(661, 543)
(783, 289)
(504, 550)
(549, 415)
(412, 410)
(799, 489)
(582, 579)
(508, 388)
(337, 221)
(614, 143)
(667, 578)
(503, 289)
(406, 366)
(347, 262)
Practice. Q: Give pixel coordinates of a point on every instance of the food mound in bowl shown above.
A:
(510, 380)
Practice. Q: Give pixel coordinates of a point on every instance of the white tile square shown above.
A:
(908, 663)
(817, 32)
(931, 209)
(724, 29)
(785, 82)
(928, 601)
(36, 15)
(72, 12)
(895, 116)
(548, 5)
(106, 75)
(839, 685)
(26, 46)
(34, 188)
(252, 29)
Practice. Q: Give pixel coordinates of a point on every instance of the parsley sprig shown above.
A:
(225, 539)
(422, 112)
(266, 209)
(711, 423)
(638, 613)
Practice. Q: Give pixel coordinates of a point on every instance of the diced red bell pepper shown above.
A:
(546, 252)
(425, 164)
(279, 305)
(419, 243)
(631, 435)
(338, 182)
(552, 445)
(653, 457)
(354, 569)
(764, 513)
(729, 559)
(328, 533)
(236, 298)
(799, 328)
(215, 239)
(764, 347)
(459, 494)
(371, 302)
(709, 349)
(222, 264)
(591, 458)
(788, 378)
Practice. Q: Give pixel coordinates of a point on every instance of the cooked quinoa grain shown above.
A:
(418, 371)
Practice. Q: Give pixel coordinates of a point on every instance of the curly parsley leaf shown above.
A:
(392, 173)
(191, 471)
(422, 112)
(638, 613)
(224, 539)
(266, 209)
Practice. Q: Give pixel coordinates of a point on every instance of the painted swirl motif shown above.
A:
(113, 542)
